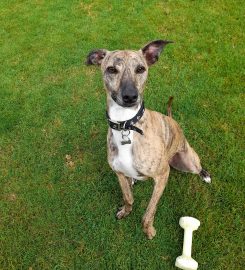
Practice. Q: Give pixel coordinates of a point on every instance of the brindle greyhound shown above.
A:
(141, 143)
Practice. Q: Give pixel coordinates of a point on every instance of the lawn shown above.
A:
(58, 196)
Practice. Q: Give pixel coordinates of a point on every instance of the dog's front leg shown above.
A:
(148, 219)
(127, 196)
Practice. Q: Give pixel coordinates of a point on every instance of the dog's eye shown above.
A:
(112, 70)
(140, 69)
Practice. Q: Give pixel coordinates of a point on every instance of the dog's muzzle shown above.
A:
(129, 93)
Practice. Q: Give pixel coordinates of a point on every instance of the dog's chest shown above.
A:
(123, 162)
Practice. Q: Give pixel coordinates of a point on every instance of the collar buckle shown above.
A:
(117, 126)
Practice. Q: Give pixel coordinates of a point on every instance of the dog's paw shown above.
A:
(122, 212)
(150, 232)
(205, 176)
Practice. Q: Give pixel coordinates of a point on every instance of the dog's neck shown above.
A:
(119, 113)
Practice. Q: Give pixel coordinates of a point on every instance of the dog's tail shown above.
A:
(169, 108)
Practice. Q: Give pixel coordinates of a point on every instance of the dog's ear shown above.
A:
(95, 57)
(153, 49)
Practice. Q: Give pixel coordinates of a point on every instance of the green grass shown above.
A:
(56, 215)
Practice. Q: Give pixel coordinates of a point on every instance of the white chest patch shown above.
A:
(123, 162)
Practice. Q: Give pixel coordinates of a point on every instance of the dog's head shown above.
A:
(125, 72)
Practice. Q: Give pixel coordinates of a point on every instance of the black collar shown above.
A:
(128, 124)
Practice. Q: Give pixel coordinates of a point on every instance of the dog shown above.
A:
(141, 143)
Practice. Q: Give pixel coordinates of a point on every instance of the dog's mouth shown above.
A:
(129, 105)
(122, 103)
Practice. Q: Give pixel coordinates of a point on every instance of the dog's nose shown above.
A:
(130, 98)
(129, 92)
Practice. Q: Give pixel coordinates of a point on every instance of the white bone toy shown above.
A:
(189, 224)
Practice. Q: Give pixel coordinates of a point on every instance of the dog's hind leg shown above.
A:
(148, 219)
(125, 184)
(188, 161)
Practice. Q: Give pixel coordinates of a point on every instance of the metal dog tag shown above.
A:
(126, 139)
